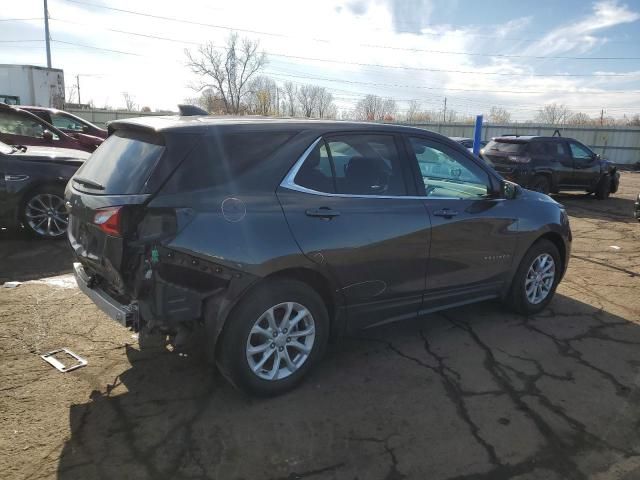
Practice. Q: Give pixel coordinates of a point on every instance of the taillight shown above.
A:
(519, 159)
(108, 219)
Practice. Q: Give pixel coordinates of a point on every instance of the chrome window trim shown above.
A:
(289, 183)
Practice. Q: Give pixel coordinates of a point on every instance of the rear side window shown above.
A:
(537, 148)
(221, 158)
(120, 166)
(505, 147)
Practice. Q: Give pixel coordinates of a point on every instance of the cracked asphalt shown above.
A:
(472, 393)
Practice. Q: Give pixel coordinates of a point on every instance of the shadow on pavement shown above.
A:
(25, 258)
(475, 392)
(613, 209)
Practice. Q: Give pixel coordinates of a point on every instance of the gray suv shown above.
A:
(272, 236)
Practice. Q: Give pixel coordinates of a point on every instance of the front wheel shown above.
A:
(44, 214)
(604, 188)
(536, 279)
(541, 184)
(273, 337)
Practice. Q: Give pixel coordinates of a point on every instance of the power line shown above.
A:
(19, 19)
(528, 92)
(258, 32)
(97, 48)
(375, 65)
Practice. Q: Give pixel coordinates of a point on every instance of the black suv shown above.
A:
(276, 235)
(551, 164)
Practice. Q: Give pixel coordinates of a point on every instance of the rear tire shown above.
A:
(541, 260)
(604, 188)
(44, 215)
(541, 184)
(261, 350)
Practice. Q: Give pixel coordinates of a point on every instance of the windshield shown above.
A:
(120, 166)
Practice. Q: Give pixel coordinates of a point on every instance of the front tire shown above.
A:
(604, 188)
(44, 214)
(536, 279)
(273, 337)
(541, 184)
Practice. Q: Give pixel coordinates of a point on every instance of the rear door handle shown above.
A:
(322, 212)
(446, 213)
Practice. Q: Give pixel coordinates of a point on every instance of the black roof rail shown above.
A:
(191, 110)
(556, 133)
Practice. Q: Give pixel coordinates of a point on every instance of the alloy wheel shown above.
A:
(540, 277)
(46, 214)
(280, 341)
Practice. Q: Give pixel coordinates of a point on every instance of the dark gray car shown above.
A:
(275, 235)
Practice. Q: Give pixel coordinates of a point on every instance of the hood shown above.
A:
(54, 153)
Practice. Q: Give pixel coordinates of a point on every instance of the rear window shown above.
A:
(505, 147)
(221, 158)
(121, 166)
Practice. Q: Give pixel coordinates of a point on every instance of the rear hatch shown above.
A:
(106, 199)
(505, 154)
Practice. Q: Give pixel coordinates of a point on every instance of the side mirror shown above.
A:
(47, 135)
(509, 190)
(85, 129)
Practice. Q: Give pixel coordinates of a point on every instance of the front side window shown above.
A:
(447, 173)
(66, 122)
(356, 164)
(580, 152)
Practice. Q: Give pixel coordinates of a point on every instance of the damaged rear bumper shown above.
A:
(126, 315)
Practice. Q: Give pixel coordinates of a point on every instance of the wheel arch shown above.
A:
(319, 282)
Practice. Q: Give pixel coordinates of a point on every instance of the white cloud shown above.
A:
(329, 29)
(579, 36)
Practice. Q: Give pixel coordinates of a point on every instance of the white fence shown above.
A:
(618, 144)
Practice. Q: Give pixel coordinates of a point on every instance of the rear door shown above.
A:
(586, 167)
(348, 204)
(473, 233)
(560, 162)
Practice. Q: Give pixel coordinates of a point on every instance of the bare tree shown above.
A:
(553, 114)
(499, 115)
(129, 104)
(262, 96)
(291, 94)
(308, 97)
(325, 103)
(373, 108)
(580, 119)
(227, 73)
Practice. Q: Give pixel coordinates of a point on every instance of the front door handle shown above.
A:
(322, 212)
(446, 213)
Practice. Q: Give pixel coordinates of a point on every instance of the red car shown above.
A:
(19, 127)
(67, 122)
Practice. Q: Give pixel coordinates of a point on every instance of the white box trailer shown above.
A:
(31, 85)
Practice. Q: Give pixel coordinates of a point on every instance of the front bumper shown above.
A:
(126, 315)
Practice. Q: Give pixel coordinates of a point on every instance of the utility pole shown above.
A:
(78, 85)
(46, 34)
(444, 115)
(601, 117)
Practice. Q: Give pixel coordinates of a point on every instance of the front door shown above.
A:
(21, 129)
(348, 207)
(473, 232)
(586, 167)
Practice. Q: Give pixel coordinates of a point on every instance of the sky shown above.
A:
(514, 54)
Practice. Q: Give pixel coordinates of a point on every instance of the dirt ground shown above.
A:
(472, 393)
